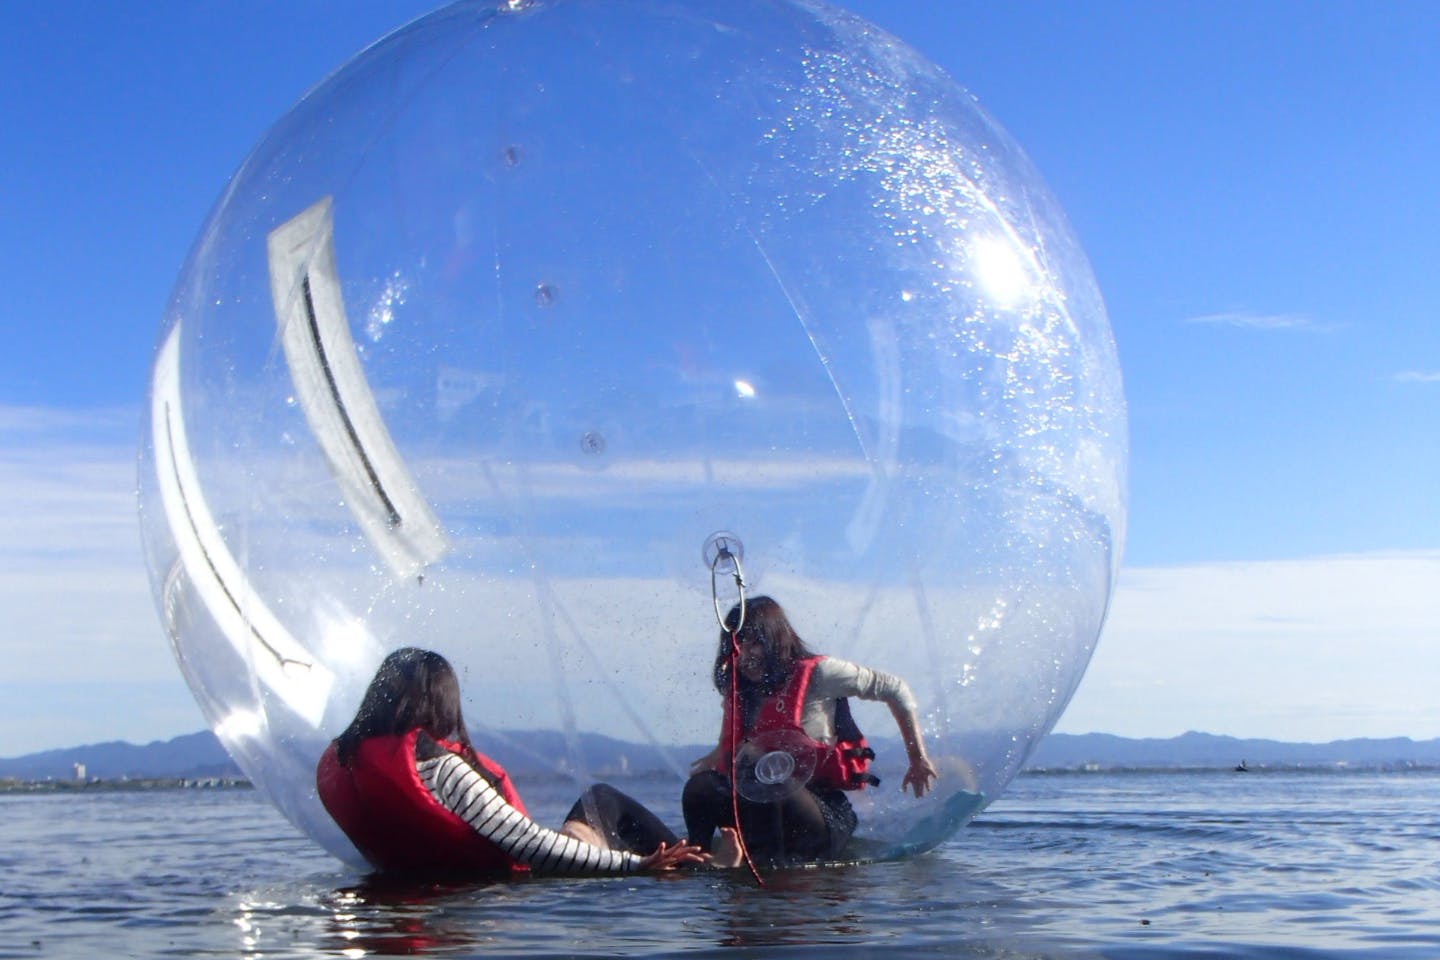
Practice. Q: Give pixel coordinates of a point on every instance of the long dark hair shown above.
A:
(413, 688)
(765, 621)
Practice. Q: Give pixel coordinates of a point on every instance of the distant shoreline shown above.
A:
(132, 785)
(98, 785)
(1261, 768)
(535, 755)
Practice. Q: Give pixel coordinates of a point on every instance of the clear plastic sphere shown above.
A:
(507, 324)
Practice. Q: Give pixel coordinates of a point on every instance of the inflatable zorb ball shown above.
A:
(509, 326)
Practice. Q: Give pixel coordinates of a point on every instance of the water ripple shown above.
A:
(1106, 866)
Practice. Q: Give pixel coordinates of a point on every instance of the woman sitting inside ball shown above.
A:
(414, 796)
(793, 708)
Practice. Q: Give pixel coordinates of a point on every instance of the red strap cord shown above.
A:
(735, 752)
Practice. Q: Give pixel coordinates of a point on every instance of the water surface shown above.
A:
(1259, 865)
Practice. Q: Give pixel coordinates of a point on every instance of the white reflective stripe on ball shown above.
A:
(338, 403)
(280, 663)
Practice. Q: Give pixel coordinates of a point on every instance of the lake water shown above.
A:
(1163, 865)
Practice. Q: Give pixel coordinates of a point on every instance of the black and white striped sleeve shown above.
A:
(462, 790)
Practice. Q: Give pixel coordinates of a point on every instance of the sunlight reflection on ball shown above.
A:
(503, 321)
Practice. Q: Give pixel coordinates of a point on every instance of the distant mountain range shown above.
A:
(1065, 751)
(195, 755)
(199, 755)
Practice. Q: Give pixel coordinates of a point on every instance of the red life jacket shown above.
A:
(386, 811)
(844, 765)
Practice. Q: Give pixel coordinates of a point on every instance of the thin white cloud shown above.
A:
(63, 426)
(67, 486)
(72, 576)
(1417, 376)
(1316, 649)
(1255, 321)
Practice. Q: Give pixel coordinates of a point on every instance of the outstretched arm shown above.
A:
(840, 678)
(922, 772)
(463, 791)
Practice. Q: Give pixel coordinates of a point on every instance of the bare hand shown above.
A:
(920, 776)
(669, 856)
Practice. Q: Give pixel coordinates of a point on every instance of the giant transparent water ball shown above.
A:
(507, 324)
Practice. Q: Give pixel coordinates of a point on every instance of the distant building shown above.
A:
(80, 772)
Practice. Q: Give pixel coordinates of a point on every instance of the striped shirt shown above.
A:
(461, 789)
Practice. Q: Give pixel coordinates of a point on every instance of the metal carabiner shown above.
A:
(722, 552)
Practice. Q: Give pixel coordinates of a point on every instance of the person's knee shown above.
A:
(706, 781)
(591, 805)
(600, 793)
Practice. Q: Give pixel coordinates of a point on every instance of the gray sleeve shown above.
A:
(463, 791)
(835, 678)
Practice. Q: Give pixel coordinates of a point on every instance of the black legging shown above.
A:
(624, 821)
(806, 825)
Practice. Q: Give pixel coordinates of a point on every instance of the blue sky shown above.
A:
(1255, 185)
